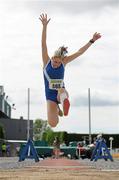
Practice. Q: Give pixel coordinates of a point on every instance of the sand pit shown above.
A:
(37, 173)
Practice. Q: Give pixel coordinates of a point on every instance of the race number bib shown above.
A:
(55, 84)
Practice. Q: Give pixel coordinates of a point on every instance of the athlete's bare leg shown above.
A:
(52, 112)
(60, 112)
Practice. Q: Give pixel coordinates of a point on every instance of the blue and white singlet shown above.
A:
(53, 79)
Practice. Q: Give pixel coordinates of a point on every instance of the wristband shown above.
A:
(91, 41)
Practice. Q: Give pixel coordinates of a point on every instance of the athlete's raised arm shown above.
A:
(45, 21)
(70, 58)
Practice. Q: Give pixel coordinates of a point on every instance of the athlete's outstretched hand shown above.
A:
(96, 36)
(44, 19)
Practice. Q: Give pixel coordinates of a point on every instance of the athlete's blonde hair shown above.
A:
(61, 52)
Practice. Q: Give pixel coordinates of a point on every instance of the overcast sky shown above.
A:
(72, 24)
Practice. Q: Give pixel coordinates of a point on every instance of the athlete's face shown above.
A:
(56, 62)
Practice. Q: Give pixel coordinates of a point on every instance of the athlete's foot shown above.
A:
(60, 113)
(66, 105)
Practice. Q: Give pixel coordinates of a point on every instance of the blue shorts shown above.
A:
(52, 95)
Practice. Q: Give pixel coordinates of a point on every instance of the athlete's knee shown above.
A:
(61, 90)
(53, 123)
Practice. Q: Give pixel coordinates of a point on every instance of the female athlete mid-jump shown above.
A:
(53, 69)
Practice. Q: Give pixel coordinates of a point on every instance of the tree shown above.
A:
(40, 127)
(49, 136)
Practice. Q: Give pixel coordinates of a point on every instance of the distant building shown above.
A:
(15, 129)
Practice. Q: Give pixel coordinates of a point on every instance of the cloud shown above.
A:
(97, 98)
(70, 7)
